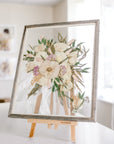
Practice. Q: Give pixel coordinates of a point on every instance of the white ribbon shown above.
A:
(45, 102)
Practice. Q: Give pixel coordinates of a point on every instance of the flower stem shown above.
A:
(63, 60)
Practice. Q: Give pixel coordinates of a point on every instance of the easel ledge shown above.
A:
(52, 122)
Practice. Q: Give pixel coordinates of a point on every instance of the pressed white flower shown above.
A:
(39, 47)
(67, 75)
(30, 66)
(60, 47)
(49, 69)
(43, 81)
(68, 87)
(72, 58)
(60, 56)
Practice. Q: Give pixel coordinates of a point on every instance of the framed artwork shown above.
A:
(56, 75)
(6, 38)
(7, 68)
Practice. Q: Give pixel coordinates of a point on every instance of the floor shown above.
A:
(16, 131)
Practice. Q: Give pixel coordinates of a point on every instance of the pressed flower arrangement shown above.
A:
(59, 66)
(55, 74)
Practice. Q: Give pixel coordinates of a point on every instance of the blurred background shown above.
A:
(14, 14)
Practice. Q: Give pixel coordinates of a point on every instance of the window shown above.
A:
(106, 53)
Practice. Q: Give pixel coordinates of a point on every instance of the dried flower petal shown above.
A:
(35, 70)
(51, 57)
(60, 47)
(71, 41)
(63, 70)
(29, 55)
(36, 79)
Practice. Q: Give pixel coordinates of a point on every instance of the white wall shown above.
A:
(60, 11)
(105, 113)
(18, 15)
(83, 9)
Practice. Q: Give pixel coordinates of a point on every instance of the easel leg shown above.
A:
(73, 133)
(51, 104)
(51, 108)
(32, 130)
(37, 107)
(65, 105)
(56, 126)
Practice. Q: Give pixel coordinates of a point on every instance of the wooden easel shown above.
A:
(53, 122)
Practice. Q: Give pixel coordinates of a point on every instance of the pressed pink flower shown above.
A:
(29, 55)
(63, 69)
(39, 59)
(35, 70)
(51, 57)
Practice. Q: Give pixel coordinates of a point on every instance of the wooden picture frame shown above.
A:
(94, 73)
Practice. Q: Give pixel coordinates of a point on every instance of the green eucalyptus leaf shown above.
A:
(28, 51)
(57, 86)
(86, 68)
(66, 96)
(78, 49)
(45, 42)
(59, 94)
(39, 42)
(29, 58)
(34, 54)
(63, 93)
(73, 44)
(31, 47)
(77, 63)
(57, 79)
(51, 40)
(42, 57)
(53, 88)
(83, 94)
(83, 71)
(80, 44)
